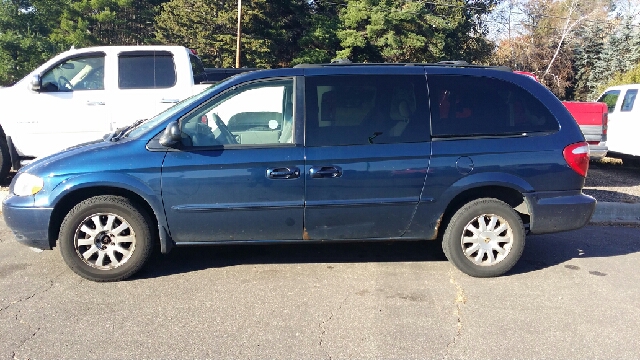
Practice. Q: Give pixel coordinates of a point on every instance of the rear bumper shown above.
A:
(30, 225)
(598, 151)
(559, 211)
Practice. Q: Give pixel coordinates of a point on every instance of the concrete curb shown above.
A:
(606, 212)
(617, 213)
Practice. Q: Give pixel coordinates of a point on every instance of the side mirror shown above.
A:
(35, 83)
(171, 135)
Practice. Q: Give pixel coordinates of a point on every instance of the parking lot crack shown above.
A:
(31, 336)
(322, 324)
(459, 300)
(43, 289)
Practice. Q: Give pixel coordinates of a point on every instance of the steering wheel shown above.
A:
(224, 130)
(64, 83)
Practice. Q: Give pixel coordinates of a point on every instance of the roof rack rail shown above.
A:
(455, 63)
(341, 61)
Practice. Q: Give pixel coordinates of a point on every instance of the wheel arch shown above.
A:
(65, 203)
(508, 194)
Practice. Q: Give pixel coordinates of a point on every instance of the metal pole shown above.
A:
(239, 34)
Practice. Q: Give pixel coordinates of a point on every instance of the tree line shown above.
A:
(573, 46)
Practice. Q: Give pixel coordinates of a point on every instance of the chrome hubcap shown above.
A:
(105, 241)
(487, 240)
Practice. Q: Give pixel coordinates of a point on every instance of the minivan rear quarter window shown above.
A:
(482, 106)
(146, 70)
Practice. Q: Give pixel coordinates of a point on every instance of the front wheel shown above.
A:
(485, 238)
(5, 159)
(106, 238)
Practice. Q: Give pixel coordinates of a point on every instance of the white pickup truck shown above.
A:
(624, 122)
(83, 94)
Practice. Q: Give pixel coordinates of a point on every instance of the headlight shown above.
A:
(27, 184)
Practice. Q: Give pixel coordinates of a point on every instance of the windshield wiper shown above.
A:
(121, 132)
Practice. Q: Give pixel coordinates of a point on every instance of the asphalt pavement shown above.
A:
(573, 295)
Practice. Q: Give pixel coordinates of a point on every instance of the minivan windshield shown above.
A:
(172, 111)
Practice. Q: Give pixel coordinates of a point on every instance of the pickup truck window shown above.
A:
(629, 99)
(199, 75)
(78, 73)
(366, 109)
(482, 106)
(610, 98)
(146, 70)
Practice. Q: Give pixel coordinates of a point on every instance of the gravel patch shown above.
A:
(611, 181)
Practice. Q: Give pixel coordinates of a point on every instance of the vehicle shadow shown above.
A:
(188, 259)
(541, 251)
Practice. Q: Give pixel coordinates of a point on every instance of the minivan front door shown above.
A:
(238, 175)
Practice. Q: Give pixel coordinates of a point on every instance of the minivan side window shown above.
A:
(610, 98)
(481, 106)
(146, 70)
(78, 73)
(254, 114)
(365, 109)
(629, 99)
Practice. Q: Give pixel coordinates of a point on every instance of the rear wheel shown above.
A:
(106, 238)
(484, 238)
(5, 159)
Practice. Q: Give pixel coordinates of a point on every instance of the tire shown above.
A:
(106, 238)
(503, 236)
(5, 159)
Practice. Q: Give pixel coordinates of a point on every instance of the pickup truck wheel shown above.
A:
(5, 159)
(485, 238)
(106, 238)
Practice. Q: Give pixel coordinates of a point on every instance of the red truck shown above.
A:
(592, 117)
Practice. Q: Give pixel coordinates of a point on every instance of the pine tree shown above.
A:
(413, 31)
(587, 53)
(25, 28)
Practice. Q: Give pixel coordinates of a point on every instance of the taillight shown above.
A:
(577, 156)
(605, 123)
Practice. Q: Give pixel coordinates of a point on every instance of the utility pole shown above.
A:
(239, 34)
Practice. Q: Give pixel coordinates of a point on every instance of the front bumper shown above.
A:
(556, 211)
(29, 224)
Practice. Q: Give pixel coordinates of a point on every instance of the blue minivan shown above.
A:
(474, 157)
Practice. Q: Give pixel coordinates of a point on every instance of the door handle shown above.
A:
(170, 101)
(317, 172)
(283, 173)
(93, 103)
